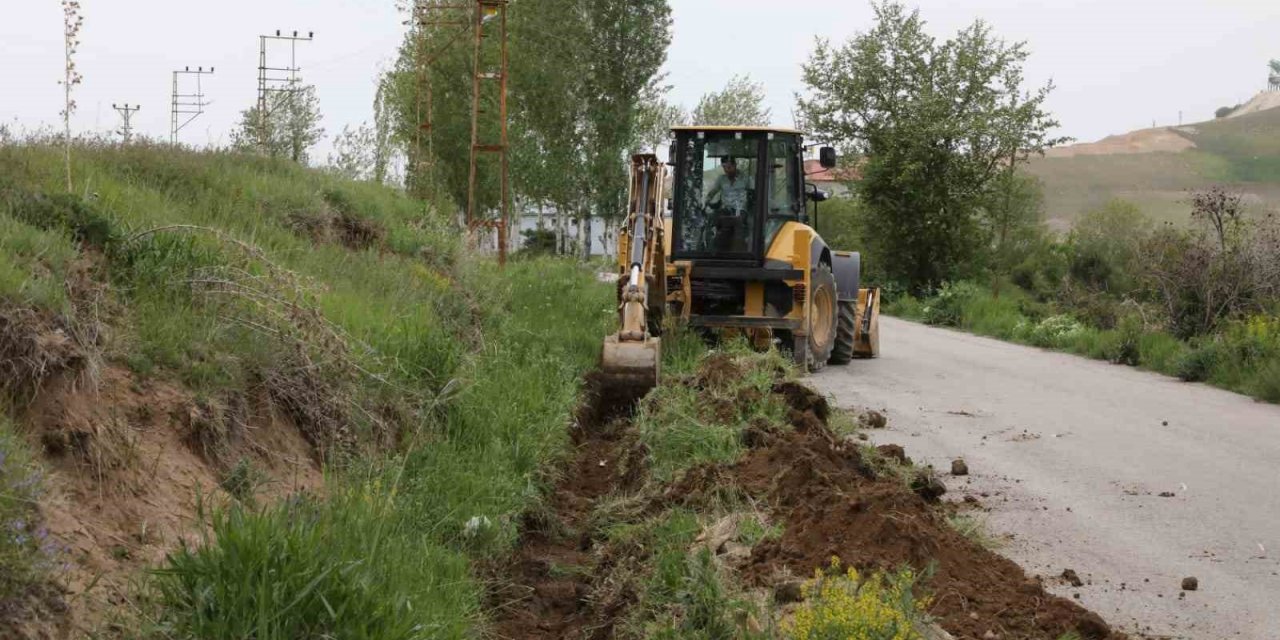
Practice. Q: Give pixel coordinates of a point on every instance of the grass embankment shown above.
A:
(436, 388)
(1244, 356)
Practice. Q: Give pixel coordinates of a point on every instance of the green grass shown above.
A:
(25, 549)
(685, 425)
(682, 589)
(394, 547)
(974, 528)
(471, 371)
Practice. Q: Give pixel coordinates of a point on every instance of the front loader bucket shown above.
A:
(631, 367)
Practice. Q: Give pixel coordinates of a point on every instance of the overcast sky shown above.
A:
(1118, 64)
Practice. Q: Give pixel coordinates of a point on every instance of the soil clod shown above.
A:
(894, 452)
(1072, 578)
(1190, 584)
(873, 420)
(959, 468)
(927, 485)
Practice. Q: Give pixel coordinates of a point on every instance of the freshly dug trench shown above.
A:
(826, 493)
(542, 592)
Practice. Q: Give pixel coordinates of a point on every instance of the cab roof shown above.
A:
(742, 129)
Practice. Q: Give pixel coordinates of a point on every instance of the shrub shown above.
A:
(1206, 277)
(1197, 364)
(849, 606)
(1042, 272)
(538, 242)
(1161, 352)
(1124, 345)
(1105, 246)
(1053, 332)
(947, 308)
(1266, 384)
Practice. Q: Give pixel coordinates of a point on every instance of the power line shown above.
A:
(186, 107)
(126, 116)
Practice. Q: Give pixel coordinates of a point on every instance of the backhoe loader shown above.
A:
(731, 248)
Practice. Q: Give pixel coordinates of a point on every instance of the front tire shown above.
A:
(822, 318)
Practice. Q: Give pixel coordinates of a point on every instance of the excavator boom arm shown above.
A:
(631, 357)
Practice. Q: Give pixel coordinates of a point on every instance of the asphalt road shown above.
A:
(1073, 456)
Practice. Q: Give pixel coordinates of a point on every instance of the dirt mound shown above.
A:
(1162, 139)
(131, 461)
(1261, 102)
(835, 506)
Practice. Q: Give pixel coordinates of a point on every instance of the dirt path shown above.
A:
(1073, 456)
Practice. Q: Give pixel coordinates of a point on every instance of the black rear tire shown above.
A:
(846, 330)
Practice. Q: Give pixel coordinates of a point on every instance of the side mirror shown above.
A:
(827, 157)
(671, 155)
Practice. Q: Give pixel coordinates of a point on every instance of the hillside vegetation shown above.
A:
(190, 337)
(1242, 152)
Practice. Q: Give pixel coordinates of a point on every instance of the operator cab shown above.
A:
(734, 189)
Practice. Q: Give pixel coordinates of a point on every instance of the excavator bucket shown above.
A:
(631, 367)
(866, 341)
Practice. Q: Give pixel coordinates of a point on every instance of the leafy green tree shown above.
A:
(1013, 212)
(937, 122)
(1273, 81)
(353, 153)
(656, 117)
(739, 103)
(577, 68)
(289, 129)
(628, 46)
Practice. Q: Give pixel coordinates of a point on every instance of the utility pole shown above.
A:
(126, 116)
(186, 104)
(489, 84)
(446, 21)
(492, 13)
(281, 80)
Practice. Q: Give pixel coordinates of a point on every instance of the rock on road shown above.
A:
(1074, 455)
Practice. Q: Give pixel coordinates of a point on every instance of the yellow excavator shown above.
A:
(731, 247)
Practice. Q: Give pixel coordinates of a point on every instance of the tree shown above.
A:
(740, 103)
(1273, 81)
(627, 48)
(938, 122)
(384, 139)
(354, 152)
(290, 128)
(1220, 210)
(1013, 212)
(656, 117)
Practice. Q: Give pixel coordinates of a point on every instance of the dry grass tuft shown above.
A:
(34, 347)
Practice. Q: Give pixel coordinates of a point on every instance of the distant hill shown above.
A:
(1156, 168)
